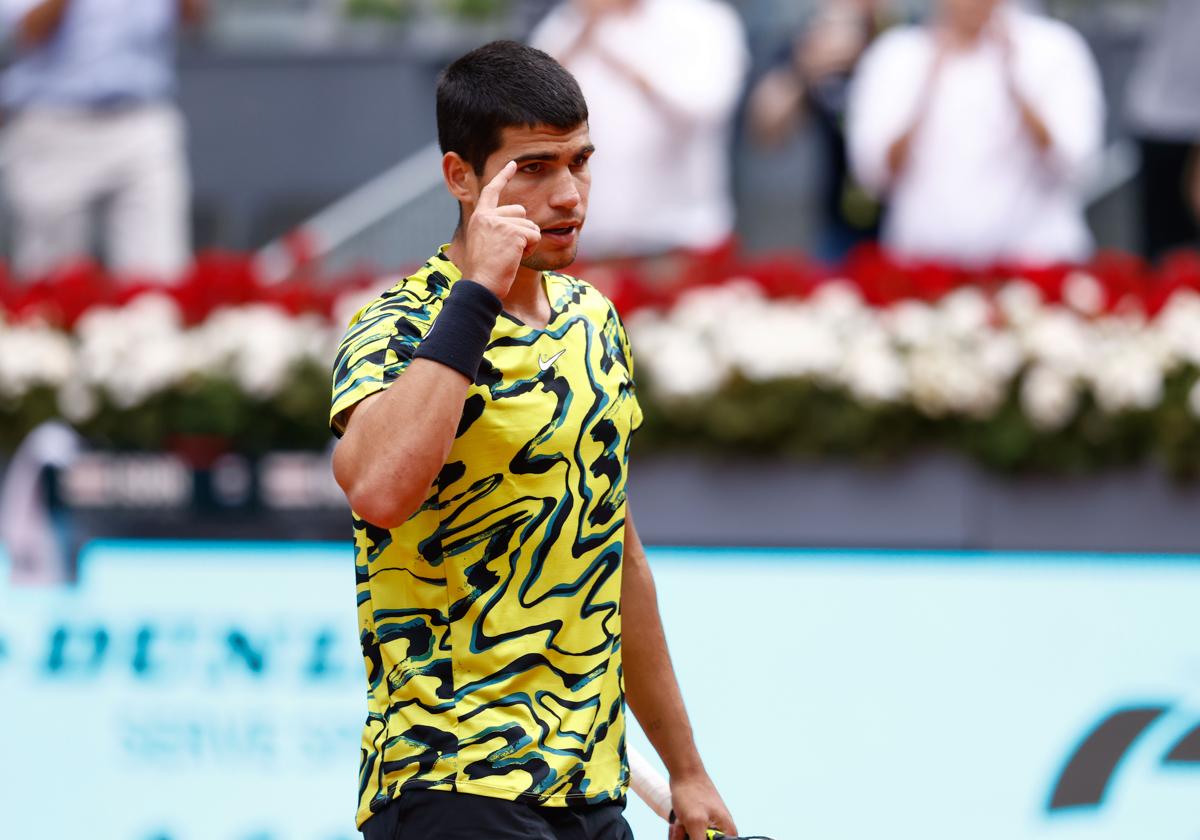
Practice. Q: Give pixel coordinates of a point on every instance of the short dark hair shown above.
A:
(499, 85)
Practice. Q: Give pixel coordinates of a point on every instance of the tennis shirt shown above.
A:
(490, 621)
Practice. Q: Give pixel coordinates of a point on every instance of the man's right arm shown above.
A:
(395, 443)
(889, 97)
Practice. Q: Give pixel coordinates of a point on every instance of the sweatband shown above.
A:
(463, 328)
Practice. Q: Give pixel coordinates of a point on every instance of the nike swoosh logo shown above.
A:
(546, 364)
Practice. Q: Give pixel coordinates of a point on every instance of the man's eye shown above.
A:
(531, 168)
(580, 161)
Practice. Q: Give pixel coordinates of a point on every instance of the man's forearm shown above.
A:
(1033, 124)
(193, 12)
(42, 21)
(396, 442)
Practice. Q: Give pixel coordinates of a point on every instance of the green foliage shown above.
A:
(403, 10)
(389, 10)
(479, 10)
(791, 418)
(210, 409)
(799, 419)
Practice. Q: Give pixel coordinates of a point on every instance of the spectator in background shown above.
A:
(813, 79)
(88, 100)
(662, 79)
(977, 129)
(1164, 114)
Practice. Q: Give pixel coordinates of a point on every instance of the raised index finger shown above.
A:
(489, 196)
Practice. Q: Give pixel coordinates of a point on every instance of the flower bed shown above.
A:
(1059, 369)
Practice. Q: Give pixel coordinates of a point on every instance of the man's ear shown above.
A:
(460, 178)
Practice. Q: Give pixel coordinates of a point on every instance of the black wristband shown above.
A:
(463, 328)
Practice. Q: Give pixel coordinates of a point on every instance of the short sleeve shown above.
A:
(377, 348)
(627, 352)
(884, 99)
(1067, 94)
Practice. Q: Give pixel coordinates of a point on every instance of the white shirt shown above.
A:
(976, 189)
(660, 180)
(104, 50)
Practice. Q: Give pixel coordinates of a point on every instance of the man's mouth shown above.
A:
(561, 230)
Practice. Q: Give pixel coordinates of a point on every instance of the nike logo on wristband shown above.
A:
(546, 364)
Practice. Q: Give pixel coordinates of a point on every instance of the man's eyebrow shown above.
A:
(531, 157)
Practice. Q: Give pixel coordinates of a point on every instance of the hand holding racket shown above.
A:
(654, 790)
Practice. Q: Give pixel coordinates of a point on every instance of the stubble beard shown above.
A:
(550, 262)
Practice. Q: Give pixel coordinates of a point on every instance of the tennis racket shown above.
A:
(653, 789)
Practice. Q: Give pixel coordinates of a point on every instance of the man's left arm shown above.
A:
(699, 72)
(652, 692)
(193, 12)
(1063, 112)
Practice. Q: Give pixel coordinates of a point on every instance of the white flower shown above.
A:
(839, 301)
(999, 354)
(964, 312)
(1048, 398)
(682, 365)
(788, 340)
(911, 322)
(947, 381)
(31, 356)
(1019, 301)
(1178, 326)
(873, 372)
(1129, 376)
(709, 309)
(1083, 293)
(1057, 337)
(258, 344)
(135, 351)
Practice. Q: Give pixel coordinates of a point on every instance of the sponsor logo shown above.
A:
(546, 364)
(1088, 775)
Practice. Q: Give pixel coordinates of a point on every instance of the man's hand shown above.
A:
(899, 152)
(498, 237)
(193, 12)
(1031, 120)
(41, 23)
(698, 807)
(594, 9)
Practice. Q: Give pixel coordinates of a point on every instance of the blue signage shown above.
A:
(192, 691)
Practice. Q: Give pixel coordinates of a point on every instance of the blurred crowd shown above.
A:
(966, 136)
(90, 124)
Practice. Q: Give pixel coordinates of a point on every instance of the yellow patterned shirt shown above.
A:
(490, 621)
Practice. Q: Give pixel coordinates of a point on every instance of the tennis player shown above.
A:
(485, 406)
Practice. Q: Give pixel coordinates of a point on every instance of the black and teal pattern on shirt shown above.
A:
(490, 621)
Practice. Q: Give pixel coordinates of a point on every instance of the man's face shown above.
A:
(551, 183)
(968, 16)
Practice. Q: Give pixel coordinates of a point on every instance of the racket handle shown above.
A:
(648, 784)
(711, 834)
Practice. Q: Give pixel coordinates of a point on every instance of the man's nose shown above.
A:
(566, 193)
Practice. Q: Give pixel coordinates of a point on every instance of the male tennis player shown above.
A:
(485, 406)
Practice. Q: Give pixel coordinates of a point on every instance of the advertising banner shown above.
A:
(209, 691)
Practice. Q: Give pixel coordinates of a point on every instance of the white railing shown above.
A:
(393, 220)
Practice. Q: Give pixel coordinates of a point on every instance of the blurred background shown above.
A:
(914, 293)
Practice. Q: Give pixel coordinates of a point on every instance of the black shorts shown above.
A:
(443, 815)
